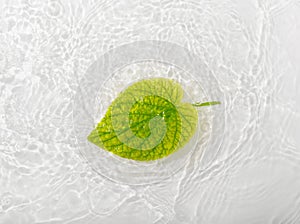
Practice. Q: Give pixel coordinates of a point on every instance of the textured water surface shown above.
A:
(63, 62)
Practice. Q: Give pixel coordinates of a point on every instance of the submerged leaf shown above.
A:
(147, 121)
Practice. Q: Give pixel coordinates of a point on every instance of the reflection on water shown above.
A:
(244, 166)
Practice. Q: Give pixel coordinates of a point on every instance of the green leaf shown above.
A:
(147, 121)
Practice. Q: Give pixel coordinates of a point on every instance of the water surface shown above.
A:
(245, 164)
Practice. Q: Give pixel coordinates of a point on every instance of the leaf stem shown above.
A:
(206, 104)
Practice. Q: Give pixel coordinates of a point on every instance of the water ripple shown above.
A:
(243, 167)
